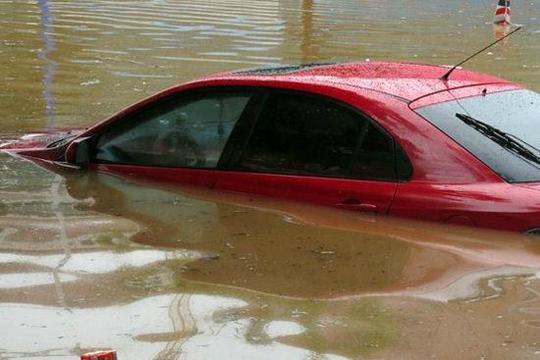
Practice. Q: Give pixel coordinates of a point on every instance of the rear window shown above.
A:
(502, 129)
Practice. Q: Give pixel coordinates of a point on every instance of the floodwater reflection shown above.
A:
(49, 66)
(163, 272)
(259, 244)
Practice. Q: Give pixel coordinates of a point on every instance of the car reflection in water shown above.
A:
(93, 261)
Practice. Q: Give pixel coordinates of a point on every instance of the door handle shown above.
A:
(357, 205)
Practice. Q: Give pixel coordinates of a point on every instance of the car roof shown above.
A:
(408, 81)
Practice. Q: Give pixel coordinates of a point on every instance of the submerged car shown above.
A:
(381, 137)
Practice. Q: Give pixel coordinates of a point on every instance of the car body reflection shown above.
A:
(258, 243)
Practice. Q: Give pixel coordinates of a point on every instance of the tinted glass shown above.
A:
(501, 129)
(301, 134)
(178, 133)
(374, 155)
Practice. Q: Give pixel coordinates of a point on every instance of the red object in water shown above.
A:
(503, 12)
(379, 137)
(100, 355)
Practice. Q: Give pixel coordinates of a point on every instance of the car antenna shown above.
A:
(447, 75)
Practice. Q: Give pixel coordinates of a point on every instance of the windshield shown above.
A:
(501, 129)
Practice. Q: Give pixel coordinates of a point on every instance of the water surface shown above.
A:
(90, 261)
(71, 63)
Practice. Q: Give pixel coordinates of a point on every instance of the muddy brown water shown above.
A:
(90, 261)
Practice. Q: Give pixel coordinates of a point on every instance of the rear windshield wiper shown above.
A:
(508, 141)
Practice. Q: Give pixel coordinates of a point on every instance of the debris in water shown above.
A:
(211, 258)
(100, 355)
(90, 82)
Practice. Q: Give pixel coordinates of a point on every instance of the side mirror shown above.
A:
(78, 152)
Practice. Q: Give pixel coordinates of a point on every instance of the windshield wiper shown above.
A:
(508, 141)
(60, 141)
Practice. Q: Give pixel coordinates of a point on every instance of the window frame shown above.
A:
(243, 130)
(136, 116)
(236, 149)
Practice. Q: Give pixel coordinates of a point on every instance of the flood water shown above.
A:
(89, 261)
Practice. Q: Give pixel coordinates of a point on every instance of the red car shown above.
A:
(382, 137)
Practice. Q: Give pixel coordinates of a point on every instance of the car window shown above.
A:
(500, 129)
(310, 135)
(374, 156)
(189, 132)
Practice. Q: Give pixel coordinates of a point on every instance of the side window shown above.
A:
(374, 156)
(302, 134)
(189, 132)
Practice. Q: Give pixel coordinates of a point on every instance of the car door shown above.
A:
(179, 139)
(311, 148)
